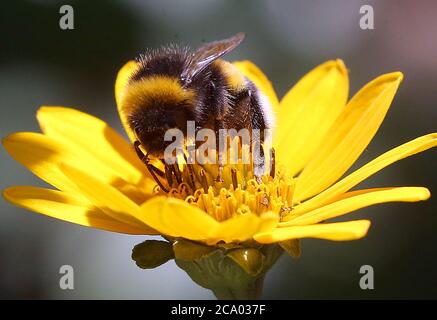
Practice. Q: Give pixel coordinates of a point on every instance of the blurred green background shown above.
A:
(43, 65)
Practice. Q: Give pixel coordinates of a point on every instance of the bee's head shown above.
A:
(155, 105)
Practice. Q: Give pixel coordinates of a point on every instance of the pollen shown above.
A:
(239, 193)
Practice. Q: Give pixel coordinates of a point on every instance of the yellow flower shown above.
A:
(101, 183)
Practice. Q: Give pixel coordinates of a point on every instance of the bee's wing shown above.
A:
(209, 52)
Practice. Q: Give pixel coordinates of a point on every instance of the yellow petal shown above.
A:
(358, 200)
(176, 218)
(238, 228)
(407, 149)
(349, 136)
(42, 155)
(339, 231)
(88, 135)
(63, 206)
(269, 221)
(123, 78)
(105, 197)
(254, 74)
(307, 112)
(242, 228)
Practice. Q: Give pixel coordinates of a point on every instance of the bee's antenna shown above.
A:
(150, 167)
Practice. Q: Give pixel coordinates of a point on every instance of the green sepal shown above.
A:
(225, 278)
(292, 247)
(250, 259)
(225, 272)
(189, 250)
(152, 253)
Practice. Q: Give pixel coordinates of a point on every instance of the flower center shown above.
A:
(238, 192)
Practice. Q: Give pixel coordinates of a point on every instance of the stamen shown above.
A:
(245, 192)
(190, 173)
(273, 164)
(265, 200)
(220, 173)
(203, 180)
(234, 178)
(183, 190)
(284, 211)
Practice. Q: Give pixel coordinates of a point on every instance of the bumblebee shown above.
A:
(173, 85)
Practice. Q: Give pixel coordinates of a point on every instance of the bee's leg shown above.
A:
(169, 174)
(154, 171)
(177, 173)
(173, 171)
(258, 158)
(220, 139)
(258, 125)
